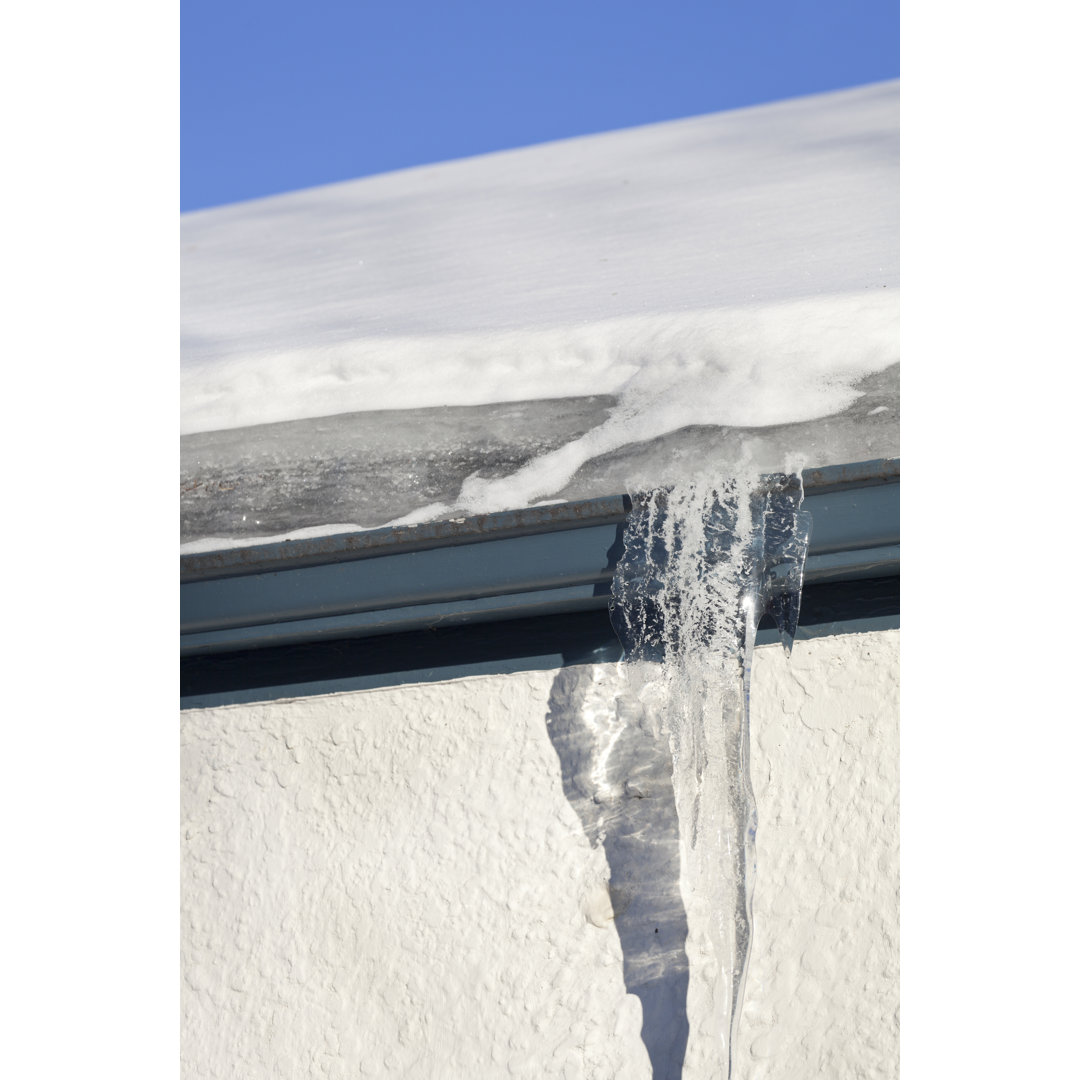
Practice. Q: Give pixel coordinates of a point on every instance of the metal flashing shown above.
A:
(483, 648)
(526, 563)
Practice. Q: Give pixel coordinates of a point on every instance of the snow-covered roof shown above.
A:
(561, 321)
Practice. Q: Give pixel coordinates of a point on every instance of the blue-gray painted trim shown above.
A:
(559, 601)
(436, 576)
(540, 662)
(374, 543)
(545, 561)
(484, 648)
(854, 565)
(367, 543)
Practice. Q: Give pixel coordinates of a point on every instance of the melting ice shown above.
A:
(703, 563)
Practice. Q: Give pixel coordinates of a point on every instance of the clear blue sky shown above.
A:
(282, 95)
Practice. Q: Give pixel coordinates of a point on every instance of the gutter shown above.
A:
(540, 561)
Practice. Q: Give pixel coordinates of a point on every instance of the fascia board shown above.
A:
(545, 560)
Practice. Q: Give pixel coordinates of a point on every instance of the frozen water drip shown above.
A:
(703, 564)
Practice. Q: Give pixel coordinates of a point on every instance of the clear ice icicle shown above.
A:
(703, 563)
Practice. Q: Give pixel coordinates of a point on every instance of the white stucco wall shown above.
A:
(405, 883)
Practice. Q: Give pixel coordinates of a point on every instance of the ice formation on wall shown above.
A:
(703, 563)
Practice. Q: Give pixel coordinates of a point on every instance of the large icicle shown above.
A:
(703, 563)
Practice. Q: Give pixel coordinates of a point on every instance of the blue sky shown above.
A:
(277, 96)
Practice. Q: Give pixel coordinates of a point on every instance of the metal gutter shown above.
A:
(370, 543)
(545, 560)
(485, 648)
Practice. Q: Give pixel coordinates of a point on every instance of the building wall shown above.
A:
(412, 882)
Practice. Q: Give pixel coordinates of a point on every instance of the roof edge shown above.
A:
(369, 543)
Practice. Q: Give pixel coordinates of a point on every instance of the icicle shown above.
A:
(703, 563)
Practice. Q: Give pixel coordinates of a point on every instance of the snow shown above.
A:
(748, 368)
(311, 532)
(738, 269)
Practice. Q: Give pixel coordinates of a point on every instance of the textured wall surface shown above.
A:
(409, 883)
(823, 994)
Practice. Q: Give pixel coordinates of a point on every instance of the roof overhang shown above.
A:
(542, 561)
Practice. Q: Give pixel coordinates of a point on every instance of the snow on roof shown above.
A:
(737, 271)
